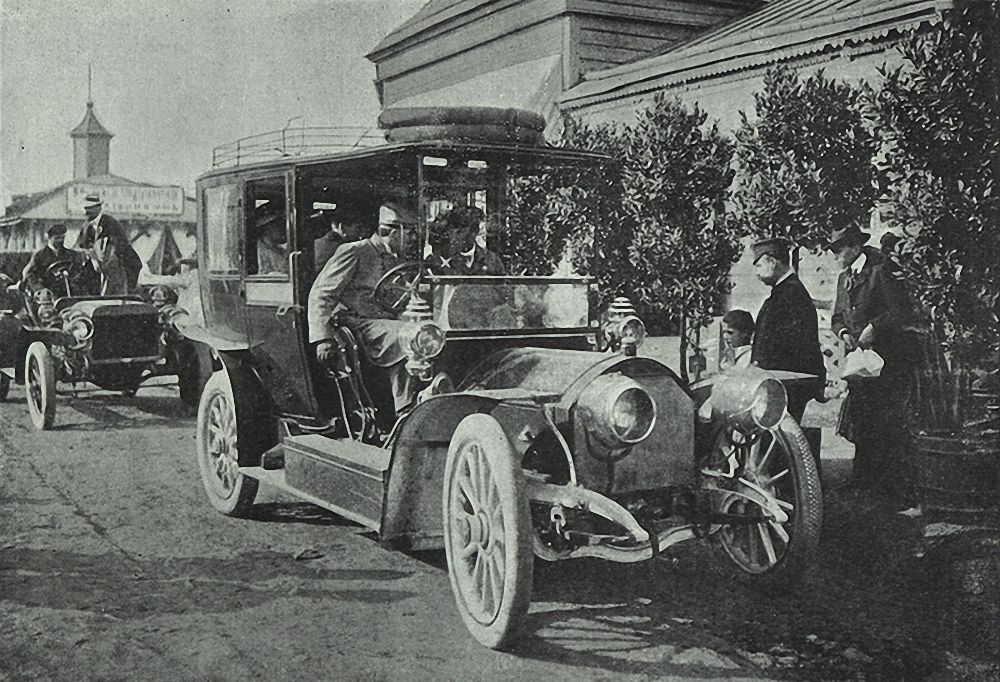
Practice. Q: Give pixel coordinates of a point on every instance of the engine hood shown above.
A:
(555, 371)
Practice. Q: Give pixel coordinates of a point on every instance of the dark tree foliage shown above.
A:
(676, 174)
(650, 225)
(805, 161)
(939, 117)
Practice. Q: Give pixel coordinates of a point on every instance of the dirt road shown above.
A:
(113, 566)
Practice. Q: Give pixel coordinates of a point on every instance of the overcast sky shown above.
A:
(173, 79)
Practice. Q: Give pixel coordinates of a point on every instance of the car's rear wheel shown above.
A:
(487, 530)
(40, 385)
(778, 467)
(229, 491)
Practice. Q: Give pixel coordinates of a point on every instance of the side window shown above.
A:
(222, 228)
(266, 227)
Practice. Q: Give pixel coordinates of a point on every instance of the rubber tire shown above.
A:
(404, 117)
(43, 416)
(240, 497)
(466, 133)
(518, 565)
(805, 532)
(4, 386)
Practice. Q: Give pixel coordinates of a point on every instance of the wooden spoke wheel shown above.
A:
(779, 466)
(488, 534)
(40, 385)
(229, 491)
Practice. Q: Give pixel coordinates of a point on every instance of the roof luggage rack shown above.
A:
(303, 141)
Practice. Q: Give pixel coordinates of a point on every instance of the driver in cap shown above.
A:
(344, 291)
(36, 272)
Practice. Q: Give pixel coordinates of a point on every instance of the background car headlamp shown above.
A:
(617, 410)
(428, 340)
(82, 328)
(750, 397)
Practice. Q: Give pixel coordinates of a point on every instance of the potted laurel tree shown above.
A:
(939, 118)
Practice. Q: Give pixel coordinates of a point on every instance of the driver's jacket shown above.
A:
(35, 272)
(346, 287)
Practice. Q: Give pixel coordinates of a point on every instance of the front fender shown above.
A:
(218, 342)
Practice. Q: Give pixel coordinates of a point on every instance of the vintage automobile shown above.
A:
(555, 439)
(115, 342)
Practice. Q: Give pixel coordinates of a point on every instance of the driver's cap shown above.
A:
(57, 229)
(396, 215)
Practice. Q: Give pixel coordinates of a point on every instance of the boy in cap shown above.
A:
(871, 311)
(110, 249)
(787, 335)
(36, 272)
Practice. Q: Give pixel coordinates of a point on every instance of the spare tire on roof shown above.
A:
(487, 124)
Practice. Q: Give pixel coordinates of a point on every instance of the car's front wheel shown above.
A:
(229, 491)
(774, 479)
(40, 385)
(487, 531)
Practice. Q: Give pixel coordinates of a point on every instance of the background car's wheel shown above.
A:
(229, 491)
(487, 531)
(40, 385)
(4, 386)
(780, 464)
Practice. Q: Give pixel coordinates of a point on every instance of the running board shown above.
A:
(339, 474)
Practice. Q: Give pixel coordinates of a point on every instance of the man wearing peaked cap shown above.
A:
(787, 336)
(112, 255)
(36, 272)
(344, 291)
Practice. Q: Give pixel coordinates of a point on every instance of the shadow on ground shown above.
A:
(126, 588)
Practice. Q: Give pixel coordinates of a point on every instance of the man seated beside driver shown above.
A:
(456, 243)
(36, 272)
(344, 291)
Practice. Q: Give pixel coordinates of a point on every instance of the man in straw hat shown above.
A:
(787, 335)
(111, 252)
(871, 312)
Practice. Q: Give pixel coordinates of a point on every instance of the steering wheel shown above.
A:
(393, 289)
(62, 267)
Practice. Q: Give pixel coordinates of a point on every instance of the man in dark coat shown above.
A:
(105, 233)
(36, 272)
(787, 335)
(873, 311)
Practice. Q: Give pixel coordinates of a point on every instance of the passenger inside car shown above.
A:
(270, 239)
(459, 246)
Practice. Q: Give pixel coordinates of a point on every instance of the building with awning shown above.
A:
(159, 219)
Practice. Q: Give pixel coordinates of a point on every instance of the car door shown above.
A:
(274, 311)
(221, 233)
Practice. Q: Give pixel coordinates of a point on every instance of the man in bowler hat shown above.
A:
(872, 311)
(787, 335)
(105, 238)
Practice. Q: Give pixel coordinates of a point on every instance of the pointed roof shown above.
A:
(90, 126)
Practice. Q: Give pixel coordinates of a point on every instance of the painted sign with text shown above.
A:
(129, 200)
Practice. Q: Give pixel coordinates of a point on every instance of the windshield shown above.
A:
(499, 303)
(489, 215)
